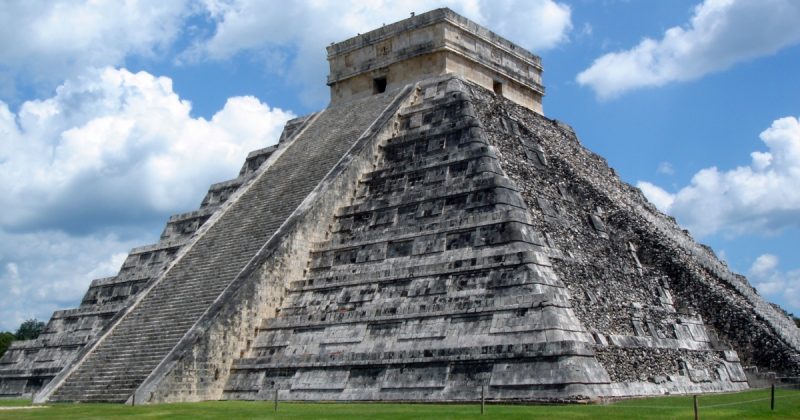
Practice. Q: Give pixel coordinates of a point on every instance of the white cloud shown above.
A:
(50, 40)
(124, 142)
(44, 42)
(665, 168)
(720, 34)
(764, 265)
(110, 151)
(109, 267)
(586, 31)
(267, 28)
(537, 25)
(44, 271)
(117, 151)
(772, 282)
(660, 198)
(762, 197)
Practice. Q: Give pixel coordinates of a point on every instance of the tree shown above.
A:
(5, 341)
(29, 329)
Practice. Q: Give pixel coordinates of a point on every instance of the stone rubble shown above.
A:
(417, 244)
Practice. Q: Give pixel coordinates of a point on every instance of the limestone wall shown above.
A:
(431, 284)
(33, 364)
(412, 50)
(441, 278)
(634, 272)
(462, 241)
(478, 73)
(199, 366)
(398, 75)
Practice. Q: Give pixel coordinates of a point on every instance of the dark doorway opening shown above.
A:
(379, 84)
(498, 88)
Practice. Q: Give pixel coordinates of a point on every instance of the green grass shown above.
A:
(720, 406)
(14, 402)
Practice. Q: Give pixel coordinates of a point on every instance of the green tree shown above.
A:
(5, 341)
(796, 321)
(29, 329)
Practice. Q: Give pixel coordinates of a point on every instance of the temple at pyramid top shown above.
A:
(431, 44)
(432, 242)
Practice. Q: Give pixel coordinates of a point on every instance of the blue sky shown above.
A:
(114, 115)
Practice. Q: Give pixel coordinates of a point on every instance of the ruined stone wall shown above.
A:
(397, 75)
(633, 272)
(201, 371)
(546, 300)
(466, 241)
(431, 44)
(201, 368)
(30, 365)
(432, 284)
(479, 73)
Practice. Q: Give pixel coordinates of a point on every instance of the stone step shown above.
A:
(174, 304)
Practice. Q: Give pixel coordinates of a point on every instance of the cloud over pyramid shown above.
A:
(428, 234)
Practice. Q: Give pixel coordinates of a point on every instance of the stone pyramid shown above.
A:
(428, 234)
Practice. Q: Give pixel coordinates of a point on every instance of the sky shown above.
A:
(116, 114)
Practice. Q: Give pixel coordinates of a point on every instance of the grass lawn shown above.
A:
(14, 402)
(748, 404)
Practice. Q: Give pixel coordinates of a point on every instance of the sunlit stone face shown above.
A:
(429, 45)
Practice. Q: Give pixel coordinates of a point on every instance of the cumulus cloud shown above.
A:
(762, 197)
(665, 168)
(719, 34)
(772, 282)
(660, 198)
(48, 40)
(109, 151)
(44, 271)
(124, 142)
(307, 27)
(43, 42)
(116, 151)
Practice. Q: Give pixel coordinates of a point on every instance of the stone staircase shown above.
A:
(431, 283)
(29, 365)
(124, 358)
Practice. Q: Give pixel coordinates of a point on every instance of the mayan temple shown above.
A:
(429, 234)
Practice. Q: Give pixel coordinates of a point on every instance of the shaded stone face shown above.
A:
(414, 244)
(432, 269)
(486, 247)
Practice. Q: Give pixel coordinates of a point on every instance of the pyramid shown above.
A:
(427, 236)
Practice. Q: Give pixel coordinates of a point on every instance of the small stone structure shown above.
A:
(419, 239)
(432, 44)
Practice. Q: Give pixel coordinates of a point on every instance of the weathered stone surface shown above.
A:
(544, 282)
(413, 245)
(674, 289)
(29, 366)
(430, 45)
(155, 324)
(433, 266)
